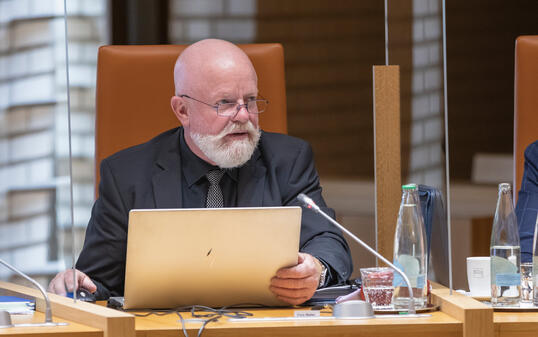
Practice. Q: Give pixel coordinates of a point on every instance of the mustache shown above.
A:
(238, 127)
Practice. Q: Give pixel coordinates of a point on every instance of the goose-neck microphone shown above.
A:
(309, 203)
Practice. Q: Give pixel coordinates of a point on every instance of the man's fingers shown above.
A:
(297, 284)
(57, 285)
(68, 280)
(293, 300)
(305, 268)
(83, 281)
(59, 288)
(50, 288)
(292, 293)
(86, 283)
(298, 271)
(290, 283)
(63, 282)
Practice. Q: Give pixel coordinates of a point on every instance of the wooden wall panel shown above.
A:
(480, 50)
(330, 47)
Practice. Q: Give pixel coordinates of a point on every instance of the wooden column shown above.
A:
(386, 84)
(477, 317)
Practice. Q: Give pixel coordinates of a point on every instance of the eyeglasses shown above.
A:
(254, 106)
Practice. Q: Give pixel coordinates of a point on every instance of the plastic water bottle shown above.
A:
(505, 252)
(410, 250)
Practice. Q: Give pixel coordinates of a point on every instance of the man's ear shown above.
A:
(180, 110)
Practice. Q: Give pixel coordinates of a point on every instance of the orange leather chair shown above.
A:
(135, 84)
(526, 102)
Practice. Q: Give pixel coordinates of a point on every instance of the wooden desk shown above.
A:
(515, 324)
(459, 316)
(438, 325)
(73, 329)
(477, 317)
(109, 322)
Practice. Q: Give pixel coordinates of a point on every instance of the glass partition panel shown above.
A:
(87, 29)
(33, 143)
(480, 57)
(415, 43)
(329, 52)
(480, 63)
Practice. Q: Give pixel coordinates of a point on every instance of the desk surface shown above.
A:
(438, 325)
(460, 316)
(71, 330)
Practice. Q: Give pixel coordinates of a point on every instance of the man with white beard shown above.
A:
(217, 102)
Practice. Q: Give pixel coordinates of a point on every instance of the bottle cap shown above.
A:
(504, 186)
(409, 187)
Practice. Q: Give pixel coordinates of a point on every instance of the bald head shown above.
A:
(203, 62)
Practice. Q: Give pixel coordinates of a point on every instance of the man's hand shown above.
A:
(297, 284)
(63, 282)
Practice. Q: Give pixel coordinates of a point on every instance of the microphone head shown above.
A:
(302, 198)
(308, 202)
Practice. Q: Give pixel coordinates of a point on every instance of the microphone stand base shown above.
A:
(353, 308)
(5, 319)
(26, 325)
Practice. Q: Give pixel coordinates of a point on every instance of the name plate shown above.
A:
(306, 313)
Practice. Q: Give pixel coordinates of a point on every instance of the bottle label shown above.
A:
(507, 280)
(416, 282)
(398, 280)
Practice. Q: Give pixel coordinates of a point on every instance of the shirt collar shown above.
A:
(195, 168)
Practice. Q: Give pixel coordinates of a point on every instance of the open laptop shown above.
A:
(212, 257)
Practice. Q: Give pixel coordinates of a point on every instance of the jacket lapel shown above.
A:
(251, 181)
(166, 179)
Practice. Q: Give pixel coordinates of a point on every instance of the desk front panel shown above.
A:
(438, 325)
(71, 330)
(516, 324)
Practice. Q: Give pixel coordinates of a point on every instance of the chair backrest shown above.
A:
(525, 102)
(135, 84)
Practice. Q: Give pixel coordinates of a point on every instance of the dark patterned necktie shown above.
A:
(214, 193)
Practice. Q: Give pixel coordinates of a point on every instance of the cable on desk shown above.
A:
(211, 314)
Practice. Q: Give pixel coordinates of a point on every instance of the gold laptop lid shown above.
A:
(213, 257)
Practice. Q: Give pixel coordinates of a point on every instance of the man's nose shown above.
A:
(242, 115)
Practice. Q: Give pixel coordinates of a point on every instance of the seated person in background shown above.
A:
(216, 102)
(527, 202)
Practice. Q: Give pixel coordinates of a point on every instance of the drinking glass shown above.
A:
(526, 282)
(377, 286)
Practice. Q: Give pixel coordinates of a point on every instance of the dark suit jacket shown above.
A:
(527, 202)
(149, 176)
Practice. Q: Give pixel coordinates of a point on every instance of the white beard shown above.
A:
(228, 154)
